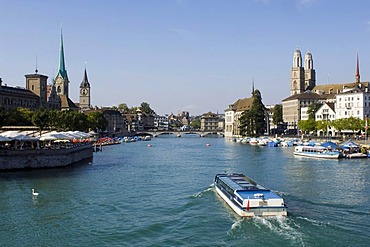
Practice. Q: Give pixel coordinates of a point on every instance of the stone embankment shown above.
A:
(13, 159)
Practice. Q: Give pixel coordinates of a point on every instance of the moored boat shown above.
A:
(317, 152)
(253, 141)
(247, 198)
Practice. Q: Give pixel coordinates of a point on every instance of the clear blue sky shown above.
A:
(177, 55)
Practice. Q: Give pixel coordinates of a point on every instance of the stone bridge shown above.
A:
(179, 133)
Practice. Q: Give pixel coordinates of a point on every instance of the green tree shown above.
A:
(340, 124)
(2, 117)
(253, 121)
(195, 124)
(40, 119)
(312, 109)
(145, 107)
(18, 117)
(77, 121)
(97, 120)
(277, 116)
(123, 108)
(246, 125)
(26, 116)
(53, 118)
(307, 125)
(355, 124)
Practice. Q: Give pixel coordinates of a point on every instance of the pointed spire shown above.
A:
(357, 75)
(252, 85)
(62, 66)
(85, 81)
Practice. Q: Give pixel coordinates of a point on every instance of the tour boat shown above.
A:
(247, 198)
(317, 152)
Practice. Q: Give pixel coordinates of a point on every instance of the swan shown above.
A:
(34, 193)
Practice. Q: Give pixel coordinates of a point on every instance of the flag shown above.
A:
(248, 205)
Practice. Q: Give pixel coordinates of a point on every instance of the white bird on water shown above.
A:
(34, 193)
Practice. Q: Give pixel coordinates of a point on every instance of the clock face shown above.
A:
(84, 91)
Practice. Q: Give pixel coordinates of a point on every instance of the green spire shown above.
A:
(62, 67)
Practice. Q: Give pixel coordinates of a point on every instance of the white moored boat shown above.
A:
(247, 198)
(317, 152)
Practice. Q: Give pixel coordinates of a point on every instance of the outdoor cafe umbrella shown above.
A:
(4, 139)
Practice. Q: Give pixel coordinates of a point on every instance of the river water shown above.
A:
(135, 195)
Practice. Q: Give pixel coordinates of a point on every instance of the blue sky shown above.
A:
(184, 55)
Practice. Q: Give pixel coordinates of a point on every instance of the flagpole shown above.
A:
(366, 127)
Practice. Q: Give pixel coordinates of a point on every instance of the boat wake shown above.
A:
(313, 222)
(202, 193)
(277, 226)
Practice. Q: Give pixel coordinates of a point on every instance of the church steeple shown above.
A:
(309, 72)
(252, 85)
(297, 74)
(61, 81)
(357, 75)
(85, 80)
(85, 93)
(62, 66)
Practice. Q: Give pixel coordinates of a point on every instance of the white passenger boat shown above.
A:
(317, 152)
(247, 198)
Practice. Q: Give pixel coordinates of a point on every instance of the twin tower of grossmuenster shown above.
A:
(303, 78)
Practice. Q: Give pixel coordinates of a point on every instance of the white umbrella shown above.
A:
(14, 135)
(57, 135)
(47, 138)
(4, 139)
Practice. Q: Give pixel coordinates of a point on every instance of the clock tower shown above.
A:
(85, 96)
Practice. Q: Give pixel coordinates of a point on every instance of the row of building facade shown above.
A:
(37, 94)
(342, 100)
(338, 101)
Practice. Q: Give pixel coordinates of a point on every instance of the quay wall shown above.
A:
(44, 158)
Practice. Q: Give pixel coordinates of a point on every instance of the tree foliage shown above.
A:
(40, 119)
(253, 121)
(97, 120)
(123, 108)
(312, 109)
(145, 107)
(307, 125)
(53, 119)
(195, 124)
(277, 116)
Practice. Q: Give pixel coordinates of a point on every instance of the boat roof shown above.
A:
(245, 187)
(267, 194)
(241, 182)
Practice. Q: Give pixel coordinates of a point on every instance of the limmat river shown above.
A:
(135, 195)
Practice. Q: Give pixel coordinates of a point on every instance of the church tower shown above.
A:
(309, 72)
(85, 96)
(297, 82)
(357, 75)
(61, 81)
(37, 84)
